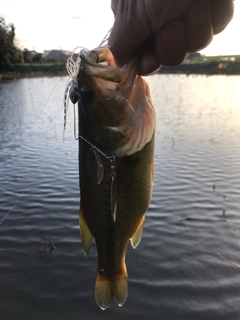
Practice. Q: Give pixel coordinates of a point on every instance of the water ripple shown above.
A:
(176, 272)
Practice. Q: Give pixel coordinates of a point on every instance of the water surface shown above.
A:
(175, 273)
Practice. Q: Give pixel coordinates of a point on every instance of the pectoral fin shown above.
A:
(85, 233)
(136, 238)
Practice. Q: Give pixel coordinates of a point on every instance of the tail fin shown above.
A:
(103, 291)
(120, 288)
(111, 287)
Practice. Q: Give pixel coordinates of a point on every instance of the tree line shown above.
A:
(9, 53)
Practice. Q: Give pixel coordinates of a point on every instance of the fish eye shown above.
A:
(86, 93)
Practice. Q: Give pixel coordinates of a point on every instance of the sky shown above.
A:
(52, 24)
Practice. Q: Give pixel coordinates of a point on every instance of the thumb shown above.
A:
(127, 34)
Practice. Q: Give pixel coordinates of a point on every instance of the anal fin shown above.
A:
(136, 238)
(85, 233)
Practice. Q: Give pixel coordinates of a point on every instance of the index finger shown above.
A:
(127, 34)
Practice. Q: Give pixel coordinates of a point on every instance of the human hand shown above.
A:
(164, 31)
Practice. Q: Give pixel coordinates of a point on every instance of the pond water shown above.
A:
(175, 272)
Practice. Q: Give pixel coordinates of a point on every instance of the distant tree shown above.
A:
(8, 51)
(3, 41)
(37, 57)
(27, 55)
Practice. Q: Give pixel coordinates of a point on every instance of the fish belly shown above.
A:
(134, 179)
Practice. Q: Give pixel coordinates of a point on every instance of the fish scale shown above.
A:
(116, 122)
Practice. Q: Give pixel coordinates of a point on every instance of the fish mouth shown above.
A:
(100, 64)
(98, 57)
(121, 117)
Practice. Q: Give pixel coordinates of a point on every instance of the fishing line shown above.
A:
(229, 261)
(26, 189)
(39, 173)
(13, 206)
(51, 94)
(72, 67)
(71, 93)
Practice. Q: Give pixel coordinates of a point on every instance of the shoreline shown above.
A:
(21, 71)
(216, 67)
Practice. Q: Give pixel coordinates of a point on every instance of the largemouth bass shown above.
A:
(116, 155)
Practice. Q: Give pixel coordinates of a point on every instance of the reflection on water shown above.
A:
(175, 273)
